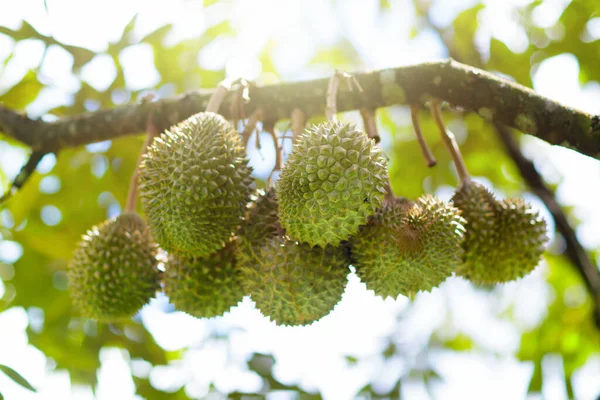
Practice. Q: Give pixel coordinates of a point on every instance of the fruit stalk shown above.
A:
(297, 122)
(151, 133)
(368, 117)
(450, 142)
(414, 115)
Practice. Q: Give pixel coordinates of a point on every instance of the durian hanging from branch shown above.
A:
(114, 269)
(332, 182)
(195, 183)
(504, 238)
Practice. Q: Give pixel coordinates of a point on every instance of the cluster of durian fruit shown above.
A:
(289, 247)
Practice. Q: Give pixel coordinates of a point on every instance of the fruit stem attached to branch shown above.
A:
(370, 125)
(450, 142)
(218, 96)
(151, 133)
(298, 123)
(331, 107)
(269, 126)
(250, 127)
(427, 154)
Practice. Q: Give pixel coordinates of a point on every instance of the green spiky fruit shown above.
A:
(113, 272)
(204, 287)
(406, 247)
(295, 284)
(261, 221)
(332, 182)
(195, 184)
(505, 239)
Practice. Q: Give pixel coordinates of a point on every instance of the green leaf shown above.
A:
(23, 93)
(16, 377)
(1, 397)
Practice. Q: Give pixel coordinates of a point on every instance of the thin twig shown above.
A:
(151, 133)
(250, 126)
(332, 88)
(218, 96)
(427, 154)
(298, 123)
(24, 174)
(269, 127)
(450, 142)
(368, 117)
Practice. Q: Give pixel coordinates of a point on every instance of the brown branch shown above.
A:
(458, 84)
(573, 250)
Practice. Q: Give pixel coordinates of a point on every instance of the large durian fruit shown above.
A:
(505, 239)
(204, 287)
(332, 182)
(113, 272)
(295, 284)
(408, 247)
(195, 183)
(291, 283)
(260, 224)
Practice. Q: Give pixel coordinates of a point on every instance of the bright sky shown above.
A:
(361, 318)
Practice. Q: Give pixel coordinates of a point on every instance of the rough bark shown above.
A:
(460, 85)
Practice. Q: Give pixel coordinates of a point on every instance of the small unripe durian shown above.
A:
(113, 272)
(504, 240)
(204, 287)
(195, 184)
(292, 283)
(408, 247)
(261, 221)
(332, 182)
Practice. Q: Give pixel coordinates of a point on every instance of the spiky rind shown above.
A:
(195, 184)
(332, 182)
(406, 248)
(204, 287)
(113, 272)
(261, 221)
(505, 239)
(295, 284)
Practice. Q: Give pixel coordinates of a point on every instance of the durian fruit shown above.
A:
(260, 224)
(292, 283)
(408, 247)
(332, 182)
(204, 287)
(504, 240)
(113, 272)
(195, 183)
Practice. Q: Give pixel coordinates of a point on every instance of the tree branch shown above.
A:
(460, 85)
